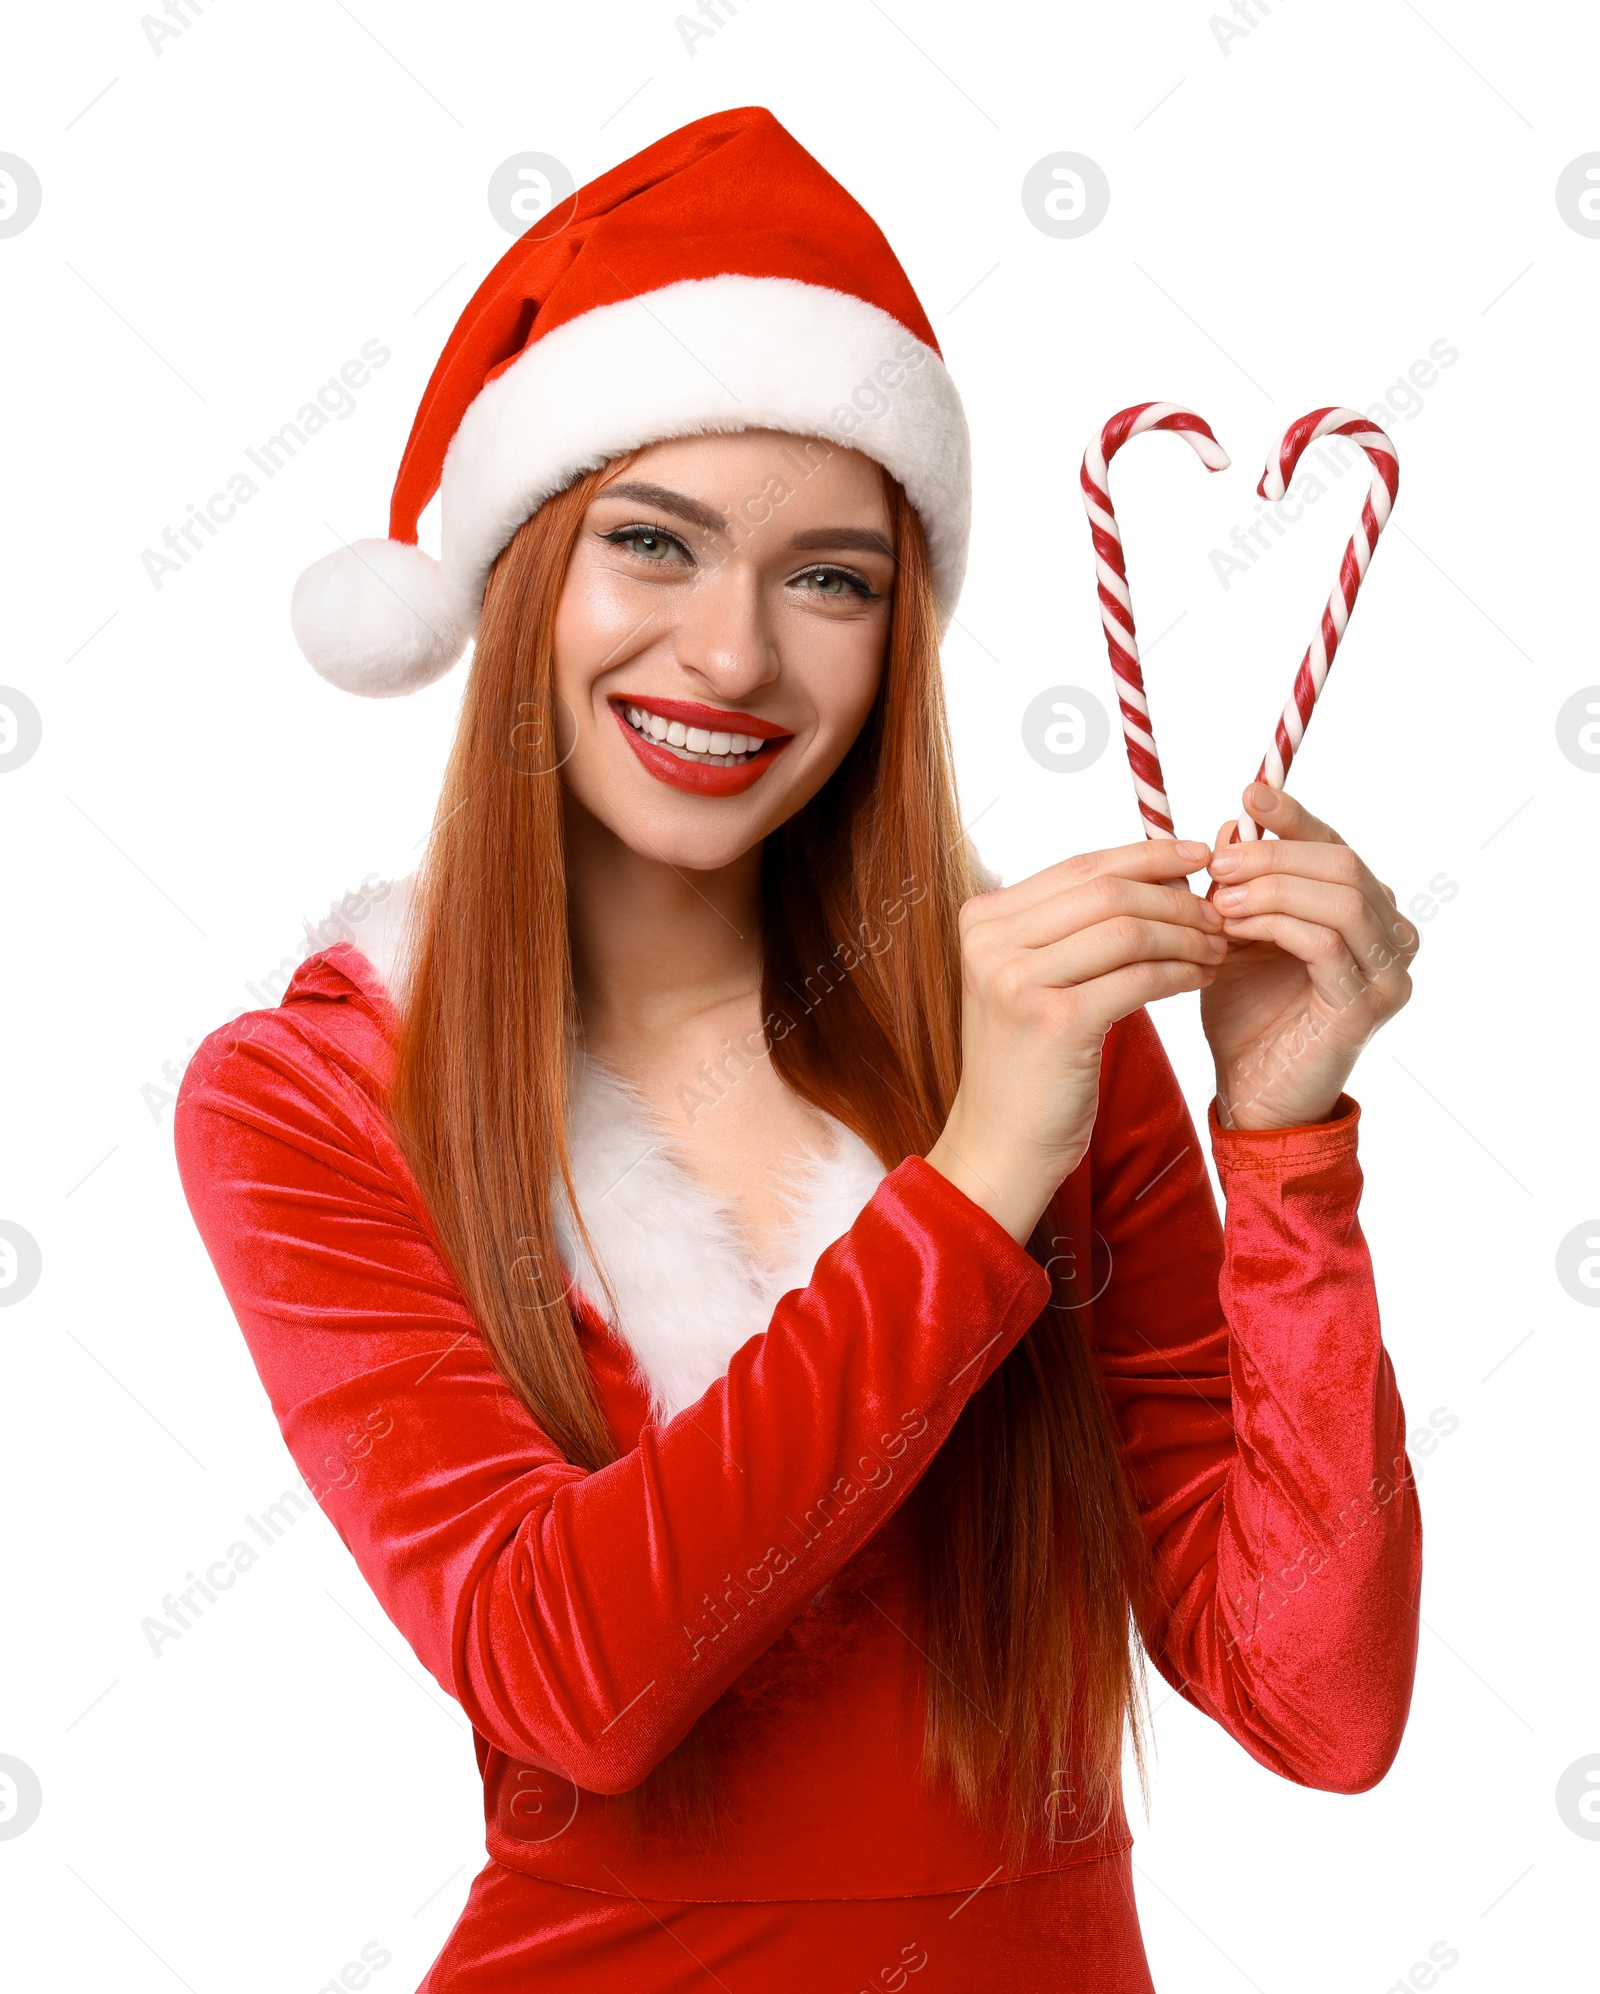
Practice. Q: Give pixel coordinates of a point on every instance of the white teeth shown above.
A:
(695, 744)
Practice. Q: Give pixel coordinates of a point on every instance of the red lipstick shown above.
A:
(715, 719)
(701, 778)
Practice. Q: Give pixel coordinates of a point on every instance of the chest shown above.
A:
(667, 1256)
(723, 1113)
(707, 1190)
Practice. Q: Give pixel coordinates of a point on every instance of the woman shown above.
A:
(751, 1302)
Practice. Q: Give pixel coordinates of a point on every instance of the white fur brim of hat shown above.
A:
(381, 618)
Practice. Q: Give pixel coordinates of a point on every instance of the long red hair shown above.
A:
(1034, 1565)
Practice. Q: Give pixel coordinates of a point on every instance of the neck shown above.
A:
(654, 945)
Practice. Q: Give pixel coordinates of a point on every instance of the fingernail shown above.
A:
(1187, 848)
(1262, 797)
(1226, 861)
(1230, 896)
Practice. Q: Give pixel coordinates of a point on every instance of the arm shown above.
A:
(1262, 1426)
(582, 1620)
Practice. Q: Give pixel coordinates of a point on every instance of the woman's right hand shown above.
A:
(1048, 966)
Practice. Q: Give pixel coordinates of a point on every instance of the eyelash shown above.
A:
(621, 535)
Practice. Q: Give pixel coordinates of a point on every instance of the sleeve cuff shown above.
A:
(950, 1207)
(1264, 1149)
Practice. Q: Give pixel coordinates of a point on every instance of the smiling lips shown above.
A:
(698, 748)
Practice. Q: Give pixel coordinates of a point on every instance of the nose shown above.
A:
(724, 637)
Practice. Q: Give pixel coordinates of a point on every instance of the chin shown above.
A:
(673, 837)
(695, 820)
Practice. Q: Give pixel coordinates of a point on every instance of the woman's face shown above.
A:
(720, 638)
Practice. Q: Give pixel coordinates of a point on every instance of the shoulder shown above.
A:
(374, 919)
(282, 1115)
(338, 1008)
(318, 1062)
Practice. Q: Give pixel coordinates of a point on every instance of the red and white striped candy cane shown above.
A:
(1313, 672)
(1111, 581)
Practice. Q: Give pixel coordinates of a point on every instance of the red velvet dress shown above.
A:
(752, 1555)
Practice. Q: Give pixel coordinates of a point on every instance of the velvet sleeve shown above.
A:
(568, 1610)
(1261, 1423)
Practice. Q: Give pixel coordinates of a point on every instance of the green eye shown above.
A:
(649, 543)
(650, 546)
(832, 583)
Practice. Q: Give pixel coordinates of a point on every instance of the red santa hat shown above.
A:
(718, 280)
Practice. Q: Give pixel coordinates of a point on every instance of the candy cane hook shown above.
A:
(1313, 672)
(1116, 604)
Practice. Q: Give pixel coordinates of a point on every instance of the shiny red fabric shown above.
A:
(751, 1559)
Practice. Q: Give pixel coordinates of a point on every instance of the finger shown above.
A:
(1367, 938)
(1078, 907)
(1111, 945)
(1151, 858)
(1333, 970)
(1226, 835)
(1275, 810)
(1108, 998)
(1325, 903)
(1335, 865)
(1292, 855)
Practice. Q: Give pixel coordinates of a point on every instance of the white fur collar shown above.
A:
(689, 1291)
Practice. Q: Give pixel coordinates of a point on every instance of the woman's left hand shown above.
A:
(1319, 957)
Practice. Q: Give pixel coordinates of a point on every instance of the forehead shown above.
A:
(818, 480)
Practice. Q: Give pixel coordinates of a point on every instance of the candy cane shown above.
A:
(1313, 672)
(1116, 605)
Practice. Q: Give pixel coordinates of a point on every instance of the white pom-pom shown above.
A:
(375, 618)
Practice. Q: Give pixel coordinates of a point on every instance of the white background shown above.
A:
(1295, 218)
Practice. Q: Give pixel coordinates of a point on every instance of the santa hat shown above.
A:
(718, 280)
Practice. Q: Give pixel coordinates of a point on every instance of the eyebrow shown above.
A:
(860, 539)
(667, 500)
